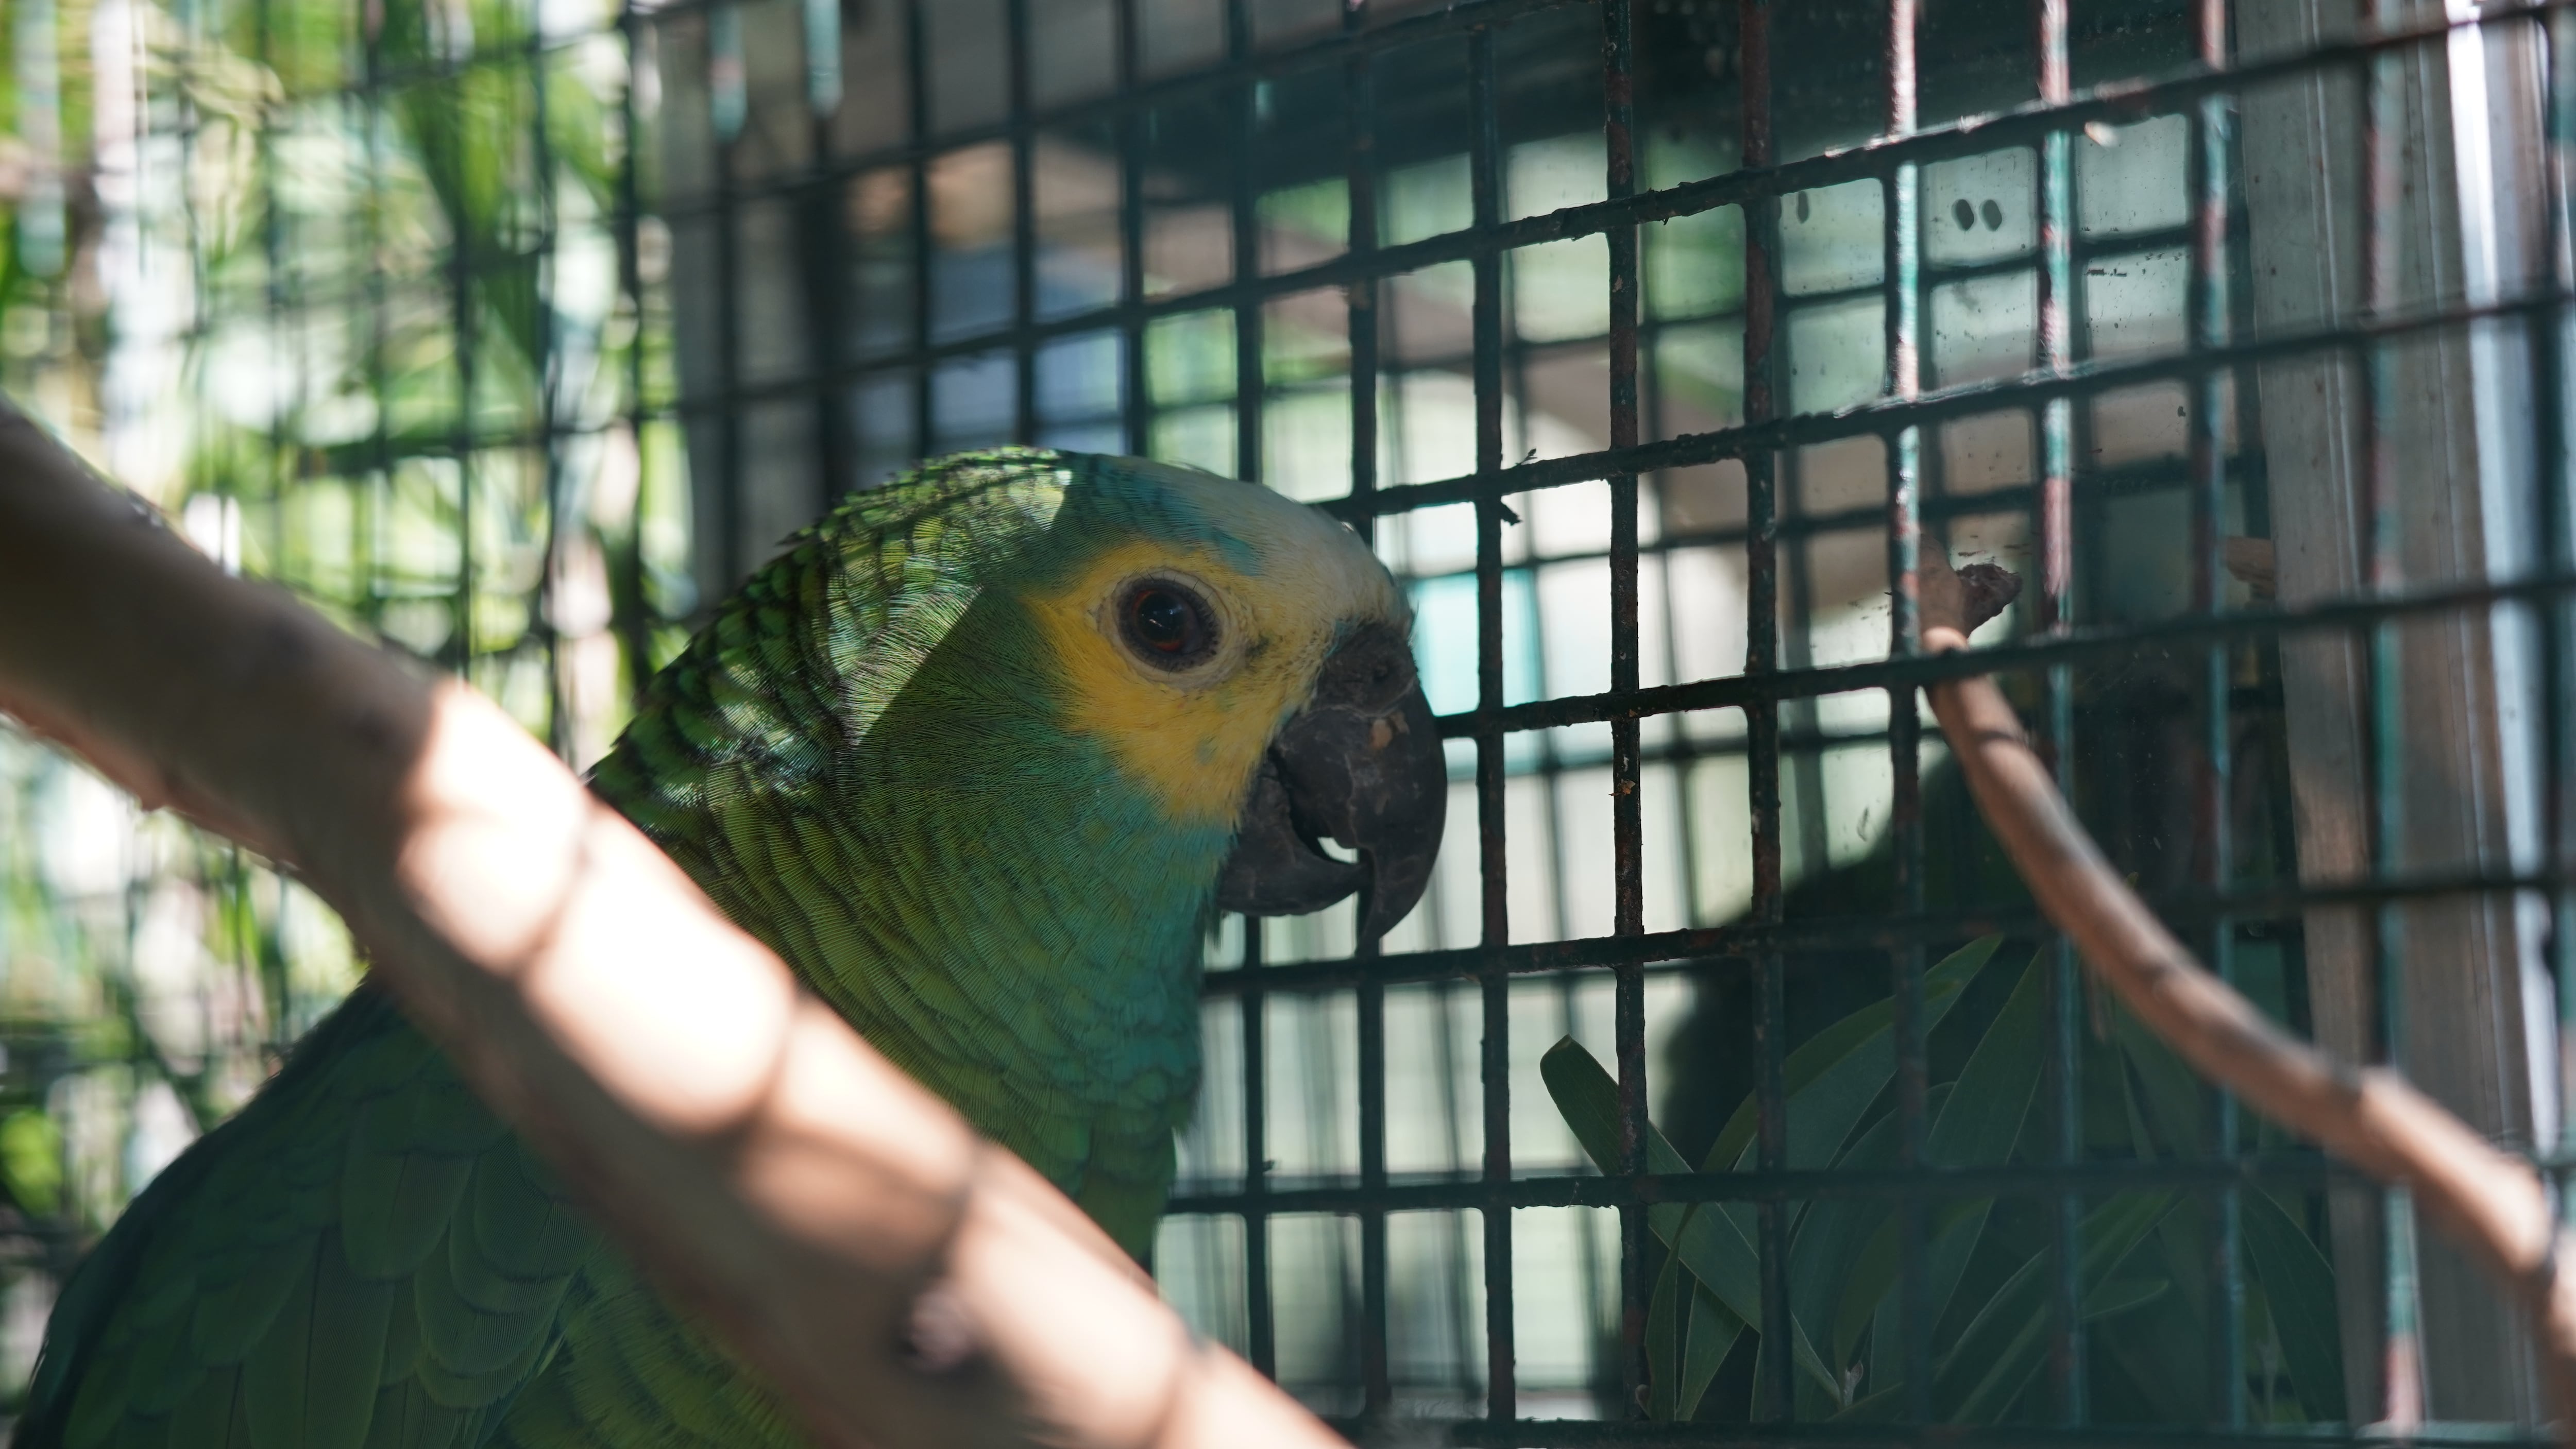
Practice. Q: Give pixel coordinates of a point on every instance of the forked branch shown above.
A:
(2487, 1201)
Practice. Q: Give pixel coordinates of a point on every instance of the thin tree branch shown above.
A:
(2485, 1200)
(900, 1281)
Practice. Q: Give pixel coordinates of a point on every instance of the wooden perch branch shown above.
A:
(899, 1280)
(2483, 1199)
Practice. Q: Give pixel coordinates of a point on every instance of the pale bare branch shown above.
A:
(2486, 1200)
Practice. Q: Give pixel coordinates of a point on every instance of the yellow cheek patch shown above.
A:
(1194, 746)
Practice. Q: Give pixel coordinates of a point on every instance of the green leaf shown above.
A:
(2175, 1105)
(31, 1159)
(1838, 1246)
(1866, 1284)
(1878, 1406)
(1714, 1241)
(1663, 1365)
(2003, 1346)
(1977, 1121)
(1831, 1251)
(2300, 1286)
(1714, 1329)
(1834, 1075)
(1981, 1121)
(2118, 1297)
(1844, 1262)
(1948, 1239)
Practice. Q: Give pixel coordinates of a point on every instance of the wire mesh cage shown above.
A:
(1650, 344)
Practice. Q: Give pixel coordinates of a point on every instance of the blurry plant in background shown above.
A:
(344, 289)
(2143, 1275)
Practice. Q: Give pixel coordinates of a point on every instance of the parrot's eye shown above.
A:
(1167, 624)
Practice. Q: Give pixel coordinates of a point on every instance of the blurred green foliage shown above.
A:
(2144, 1255)
(342, 288)
(31, 1159)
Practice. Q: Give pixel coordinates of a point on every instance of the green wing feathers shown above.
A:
(363, 1259)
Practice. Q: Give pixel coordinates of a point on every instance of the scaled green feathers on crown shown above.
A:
(816, 644)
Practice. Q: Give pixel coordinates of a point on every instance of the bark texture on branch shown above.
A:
(2487, 1201)
(902, 1282)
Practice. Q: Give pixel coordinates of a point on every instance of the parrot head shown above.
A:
(983, 752)
(1246, 660)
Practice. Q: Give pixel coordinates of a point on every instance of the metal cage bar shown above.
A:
(2053, 613)
(2210, 398)
(1485, 180)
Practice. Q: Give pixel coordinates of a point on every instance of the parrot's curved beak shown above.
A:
(1360, 765)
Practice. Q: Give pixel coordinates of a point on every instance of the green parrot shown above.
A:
(979, 756)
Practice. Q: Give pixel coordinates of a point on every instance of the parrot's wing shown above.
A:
(364, 1258)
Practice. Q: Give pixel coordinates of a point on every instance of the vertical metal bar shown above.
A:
(1377, 1390)
(372, 501)
(1249, 384)
(1261, 1343)
(2206, 305)
(2383, 141)
(1681, 751)
(462, 315)
(1136, 407)
(916, 67)
(1360, 330)
(632, 612)
(1628, 834)
(1902, 267)
(2557, 551)
(822, 29)
(275, 300)
(727, 103)
(272, 242)
(1248, 387)
(1485, 160)
(1802, 768)
(1024, 231)
(547, 369)
(2054, 609)
(1762, 524)
(1455, 1242)
(1359, 96)
(823, 253)
(1762, 718)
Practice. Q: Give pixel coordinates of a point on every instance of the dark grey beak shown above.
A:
(1361, 765)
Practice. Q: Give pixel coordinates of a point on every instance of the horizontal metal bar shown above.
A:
(1456, 17)
(1845, 933)
(2026, 390)
(1646, 1434)
(1244, 292)
(2283, 1169)
(2297, 1168)
(2017, 656)
(2120, 480)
